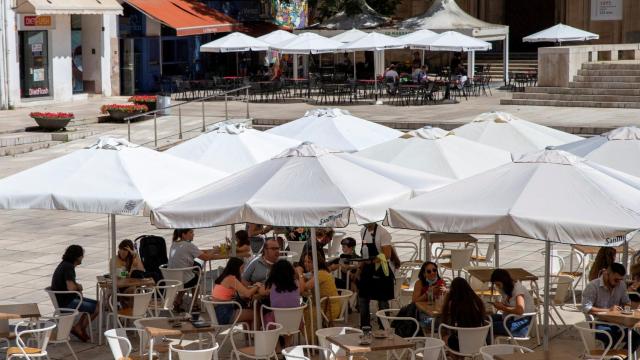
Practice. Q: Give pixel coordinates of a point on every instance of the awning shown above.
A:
(187, 17)
(53, 7)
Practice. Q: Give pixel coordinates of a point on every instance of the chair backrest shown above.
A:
(64, 319)
(199, 354)
(433, 349)
(407, 251)
(38, 332)
(54, 298)
(179, 274)
(461, 258)
(210, 307)
(335, 246)
(489, 351)
(119, 343)
(491, 250)
(588, 333)
(470, 340)
(296, 246)
(264, 341)
(388, 316)
(166, 291)
(532, 325)
(322, 335)
(298, 352)
(141, 300)
(563, 285)
(289, 318)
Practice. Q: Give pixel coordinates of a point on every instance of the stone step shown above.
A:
(616, 79)
(582, 91)
(590, 72)
(14, 139)
(624, 105)
(605, 85)
(25, 148)
(611, 66)
(575, 97)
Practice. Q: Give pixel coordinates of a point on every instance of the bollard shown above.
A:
(180, 122)
(155, 129)
(247, 96)
(226, 110)
(203, 122)
(129, 130)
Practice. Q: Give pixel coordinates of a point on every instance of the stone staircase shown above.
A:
(28, 141)
(518, 62)
(602, 85)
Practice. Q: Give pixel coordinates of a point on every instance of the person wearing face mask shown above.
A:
(428, 287)
(516, 299)
(258, 269)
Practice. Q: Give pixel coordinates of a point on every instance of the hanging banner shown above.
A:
(606, 10)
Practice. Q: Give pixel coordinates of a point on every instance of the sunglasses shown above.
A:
(430, 271)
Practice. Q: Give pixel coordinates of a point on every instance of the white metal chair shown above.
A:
(182, 275)
(289, 318)
(470, 340)
(343, 299)
(64, 320)
(387, 317)
(290, 256)
(139, 305)
(296, 246)
(222, 329)
(322, 335)
(560, 288)
(165, 294)
(119, 343)
(336, 242)
(460, 259)
(195, 354)
(39, 333)
(160, 344)
(487, 258)
(567, 263)
(532, 325)
(407, 251)
(298, 352)
(489, 351)
(588, 333)
(56, 306)
(428, 348)
(264, 342)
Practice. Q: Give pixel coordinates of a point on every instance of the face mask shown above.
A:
(431, 282)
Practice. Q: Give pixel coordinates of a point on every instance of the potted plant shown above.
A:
(52, 121)
(149, 100)
(119, 112)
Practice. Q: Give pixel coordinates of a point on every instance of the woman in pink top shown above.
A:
(225, 288)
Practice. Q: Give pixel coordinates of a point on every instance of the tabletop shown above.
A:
(351, 343)
(163, 327)
(592, 250)
(451, 238)
(539, 355)
(617, 317)
(126, 282)
(517, 274)
(428, 308)
(18, 311)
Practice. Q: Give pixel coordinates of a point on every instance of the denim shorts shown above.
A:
(87, 305)
(224, 313)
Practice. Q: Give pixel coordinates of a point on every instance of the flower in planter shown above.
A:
(52, 115)
(128, 108)
(143, 99)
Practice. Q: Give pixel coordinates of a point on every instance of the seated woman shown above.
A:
(516, 299)
(128, 260)
(331, 309)
(461, 308)
(635, 285)
(242, 242)
(227, 285)
(428, 287)
(283, 289)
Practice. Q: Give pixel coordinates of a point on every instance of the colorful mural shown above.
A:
(292, 15)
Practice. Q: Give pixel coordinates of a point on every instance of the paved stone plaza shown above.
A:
(33, 240)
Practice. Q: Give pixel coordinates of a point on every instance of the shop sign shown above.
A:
(603, 10)
(38, 91)
(36, 22)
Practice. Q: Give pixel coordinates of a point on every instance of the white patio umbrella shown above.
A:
(232, 147)
(450, 41)
(111, 177)
(304, 186)
(549, 195)
(277, 36)
(618, 149)
(419, 35)
(560, 33)
(435, 151)
(505, 131)
(336, 129)
(308, 43)
(235, 42)
(349, 36)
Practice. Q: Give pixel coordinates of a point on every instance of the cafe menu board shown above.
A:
(606, 10)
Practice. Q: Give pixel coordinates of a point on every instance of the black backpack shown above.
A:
(153, 253)
(406, 328)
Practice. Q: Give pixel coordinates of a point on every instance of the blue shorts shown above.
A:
(87, 306)
(224, 313)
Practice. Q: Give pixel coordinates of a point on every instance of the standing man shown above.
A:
(64, 279)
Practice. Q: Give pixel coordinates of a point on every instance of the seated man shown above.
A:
(258, 269)
(608, 293)
(64, 279)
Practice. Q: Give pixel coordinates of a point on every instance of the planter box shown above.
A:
(150, 105)
(52, 124)
(119, 115)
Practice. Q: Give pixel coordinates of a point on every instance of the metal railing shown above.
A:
(179, 106)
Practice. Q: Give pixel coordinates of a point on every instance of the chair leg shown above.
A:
(71, 349)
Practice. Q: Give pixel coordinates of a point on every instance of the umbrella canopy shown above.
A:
(235, 42)
(560, 33)
(111, 177)
(507, 132)
(373, 41)
(303, 186)
(277, 37)
(349, 36)
(416, 36)
(336, 129)
(308, 43)
(548, 195)
(435, 151)
(451, 41)
(618, 149)
(232, 147)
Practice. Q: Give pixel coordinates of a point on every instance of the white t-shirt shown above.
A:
(182, 255)
(519, 289)
(383, 238)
